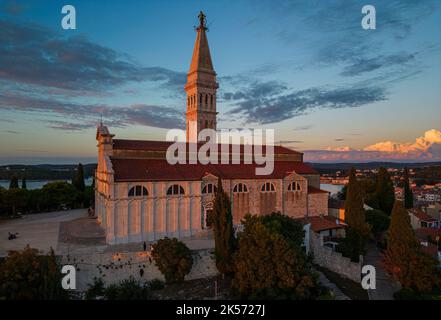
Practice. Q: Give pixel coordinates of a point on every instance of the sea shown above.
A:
(332, 188)
(38, 184)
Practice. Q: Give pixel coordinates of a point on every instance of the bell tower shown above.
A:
(201, 86)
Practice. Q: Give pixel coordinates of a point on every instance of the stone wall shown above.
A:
(334, 261)
(114, 267)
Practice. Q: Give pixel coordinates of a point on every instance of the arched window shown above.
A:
(138, 191)
(240, 187)
(211, 101)
(175, 190)
(200, 99)
(206, 100)
(268, 187)
(294, 186)
(209, 188)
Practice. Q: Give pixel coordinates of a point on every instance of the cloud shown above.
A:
(421, 144)
(35, 55)
(287, 142)
(121, 116)
(272, 109)
(13, 8)
(362, 65)
(303, 128)
(339, 139)
(257, 90)
(424, 148)
(11, 131)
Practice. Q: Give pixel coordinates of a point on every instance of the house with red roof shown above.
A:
(141, 196)
(420, 219)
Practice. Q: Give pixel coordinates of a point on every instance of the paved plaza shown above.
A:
(71, 232)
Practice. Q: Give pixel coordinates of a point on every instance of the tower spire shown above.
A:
(201, 86)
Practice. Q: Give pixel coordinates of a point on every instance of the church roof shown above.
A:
(201, 60)
(150, 145)
(322, 223)
(161, 170)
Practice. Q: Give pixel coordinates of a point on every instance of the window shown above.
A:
(206, 124)
(200, 98)
(175, 190)
(240, 188)
(294, 186)
(211, 101)
(138, 191)
(268, 187)
(206, 100)
(209, 188)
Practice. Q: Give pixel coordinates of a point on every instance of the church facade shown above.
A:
(139, 196)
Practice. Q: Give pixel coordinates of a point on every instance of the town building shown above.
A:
(420, 219)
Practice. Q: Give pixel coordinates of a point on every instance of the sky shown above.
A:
(307, 69)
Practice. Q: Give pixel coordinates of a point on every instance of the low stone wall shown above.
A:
(114, 267)
(334, 261)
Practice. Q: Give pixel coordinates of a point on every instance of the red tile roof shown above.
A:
(420, 214)
(431, 249)
(160, 169)
(150, 145)
(322, 223)
(424, 232)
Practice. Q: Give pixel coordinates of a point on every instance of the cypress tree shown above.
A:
(78, 180)
(23, 183)
(357, 230)
(403, 258)
(223, 231)
(408, 195)
(384, 191)
(13, 184)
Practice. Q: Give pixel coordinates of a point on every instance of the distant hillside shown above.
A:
(332, 167)
(44, 171)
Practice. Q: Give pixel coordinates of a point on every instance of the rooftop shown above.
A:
(420, 214)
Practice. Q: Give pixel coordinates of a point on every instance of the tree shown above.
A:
(173, 258)
(384, 191)
(3, 205)
(357, 230)
(59, 193)
(128, 289)
(223, 231)
(378, 220)
(408, 195)
(268, 265)
(26, 275)
(13, 184)
(78, 179)
(15, 199)
(403, 258)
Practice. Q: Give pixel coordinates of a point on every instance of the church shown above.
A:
(139, 196)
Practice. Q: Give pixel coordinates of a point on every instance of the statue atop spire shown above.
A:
(202, 21)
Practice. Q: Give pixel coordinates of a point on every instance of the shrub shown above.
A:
(95, 289)
(128, 289)
(173, 258)
(156, 284)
